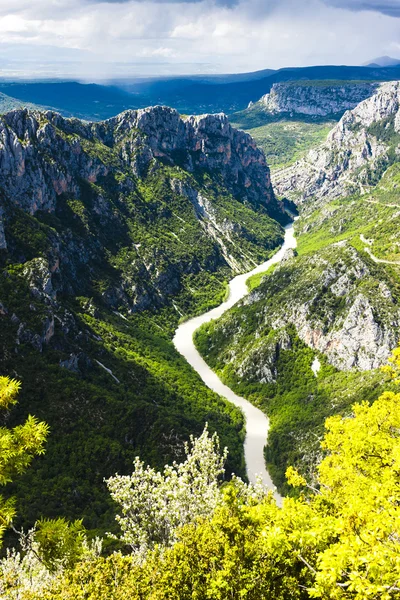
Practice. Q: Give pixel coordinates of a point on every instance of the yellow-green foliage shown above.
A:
(338, 540)
(18, 446)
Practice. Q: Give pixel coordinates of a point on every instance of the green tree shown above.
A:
(18, 446)
(339, 539)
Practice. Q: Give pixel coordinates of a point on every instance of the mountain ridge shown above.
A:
(188, 95)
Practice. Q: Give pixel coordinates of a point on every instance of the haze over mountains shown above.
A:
(190, 95)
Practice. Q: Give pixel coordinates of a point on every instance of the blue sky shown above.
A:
(92, 39)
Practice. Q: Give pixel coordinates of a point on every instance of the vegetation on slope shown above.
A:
(284, 140)
(275, 370)
(337, 538)
(90, 295)
(374, 216)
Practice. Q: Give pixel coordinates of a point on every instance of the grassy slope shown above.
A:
(283, 140)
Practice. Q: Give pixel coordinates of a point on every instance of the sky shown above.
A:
(104, 39)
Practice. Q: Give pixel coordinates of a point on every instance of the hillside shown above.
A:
(7, 103)
(296, 116)
(355, 154)
(311, 336)
(285, 140)
(110, 233)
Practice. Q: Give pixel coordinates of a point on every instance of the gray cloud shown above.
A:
(390, 7)
(183, 36)
(229, 3)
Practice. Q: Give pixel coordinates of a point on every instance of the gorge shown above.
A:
(256, 422)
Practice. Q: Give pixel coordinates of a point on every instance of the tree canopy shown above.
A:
(18, 446)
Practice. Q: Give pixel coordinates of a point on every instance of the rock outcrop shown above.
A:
(315, 98)
(144, 186)
(356, 153)
(43, 155)
(339, 309)
(337, 304)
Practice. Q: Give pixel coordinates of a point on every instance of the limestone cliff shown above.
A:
(42, 154)
(155, 196)
(338, 304)
(315, 98)
(355, 155)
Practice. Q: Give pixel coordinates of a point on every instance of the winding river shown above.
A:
(257, 423)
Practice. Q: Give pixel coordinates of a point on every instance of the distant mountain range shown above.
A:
(191, 94)
(384, 61)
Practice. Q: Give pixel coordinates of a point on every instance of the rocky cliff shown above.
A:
(126, 178)
(337, 303)
(355, 155)
(43, 155)
(315, 98)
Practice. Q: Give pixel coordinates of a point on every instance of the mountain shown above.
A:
(189, 95)
(111, 232)
(85, 101)
(194, 96)
(7, 103)
(356, 153)
(294, 116)
(383, 61)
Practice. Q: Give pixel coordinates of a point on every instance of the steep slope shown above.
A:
(355, 155)
(296, 116)
(110, 233)
(302, 346)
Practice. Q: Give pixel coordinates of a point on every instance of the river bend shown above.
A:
(257, 423)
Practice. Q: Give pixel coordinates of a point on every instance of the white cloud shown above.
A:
(232, 36)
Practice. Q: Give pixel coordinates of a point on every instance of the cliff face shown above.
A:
(42, 155)
(356, 153)
(338, 305)
(316, 99)
(128, 181)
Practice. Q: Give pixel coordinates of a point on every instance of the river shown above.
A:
(257, 423)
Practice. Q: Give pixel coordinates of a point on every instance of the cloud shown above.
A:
(193, 35)
(390, 7)
(229, 3)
